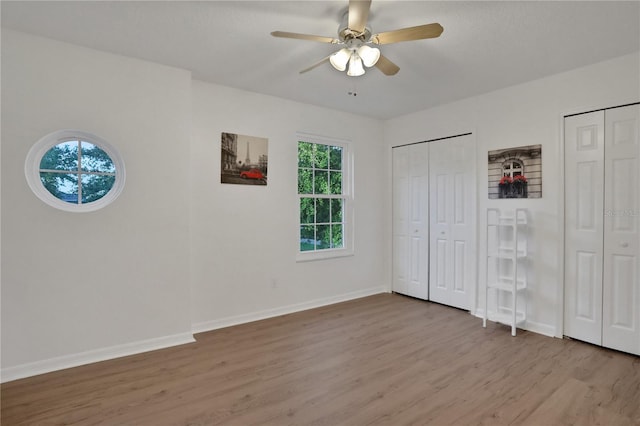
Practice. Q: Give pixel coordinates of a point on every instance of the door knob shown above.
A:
(624, 244)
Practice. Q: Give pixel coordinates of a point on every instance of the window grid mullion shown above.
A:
(66, 172)
(79, 172)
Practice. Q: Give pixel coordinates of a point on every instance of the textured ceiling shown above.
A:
(485, 45)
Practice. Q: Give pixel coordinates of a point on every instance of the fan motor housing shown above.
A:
(346, 35)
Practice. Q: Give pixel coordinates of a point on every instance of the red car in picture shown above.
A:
(252, 174)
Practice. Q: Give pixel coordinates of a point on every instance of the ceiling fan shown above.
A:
(356, 37)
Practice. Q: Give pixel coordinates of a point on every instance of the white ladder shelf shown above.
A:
(506, 267)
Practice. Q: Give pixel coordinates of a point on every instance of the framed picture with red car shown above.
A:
(243, 159)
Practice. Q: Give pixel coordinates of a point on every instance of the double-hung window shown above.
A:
(325, 202)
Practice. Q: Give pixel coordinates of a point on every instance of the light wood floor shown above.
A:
(384, 360)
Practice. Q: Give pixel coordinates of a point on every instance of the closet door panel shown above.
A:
(400, 220)
(410, 220)
(584, 184)
(440, 237)
(419, 221)
(452, 222)
(621, 292)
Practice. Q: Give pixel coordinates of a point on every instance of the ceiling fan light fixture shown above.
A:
(355, 66)
(340, 58)
(369, 55)
(354, 35)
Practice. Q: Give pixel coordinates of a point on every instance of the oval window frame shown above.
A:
(40, 148)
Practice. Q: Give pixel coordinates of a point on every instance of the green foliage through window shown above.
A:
(77, 172)
(322, 202)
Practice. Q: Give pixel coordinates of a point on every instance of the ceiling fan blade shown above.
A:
(407, 34)
(317, 64)
(358, 15)
(321, 39)
(386, 66)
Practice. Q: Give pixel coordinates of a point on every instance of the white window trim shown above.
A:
(347, 188)
(40, 148)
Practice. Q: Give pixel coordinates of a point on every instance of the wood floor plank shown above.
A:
(380, 360)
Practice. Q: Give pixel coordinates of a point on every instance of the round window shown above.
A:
(74, 171)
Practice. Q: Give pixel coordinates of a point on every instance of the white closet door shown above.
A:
(452, 171)
(621, 296)
(410, 220)
(602, 221)
(584, 184)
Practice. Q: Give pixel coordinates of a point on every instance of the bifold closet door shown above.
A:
(602, 217)
(452, 248)
(410, 220)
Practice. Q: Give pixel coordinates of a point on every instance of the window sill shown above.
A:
(311, 256)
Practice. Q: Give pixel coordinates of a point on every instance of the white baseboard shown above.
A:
(68, 361)
(283, 310)
(535, 327)
(75, 360)
(545, 329)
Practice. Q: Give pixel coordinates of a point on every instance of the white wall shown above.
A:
(81, 287)
(245, 238)
(528, 114)
(177, 251)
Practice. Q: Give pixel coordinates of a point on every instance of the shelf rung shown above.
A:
(506, 284)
